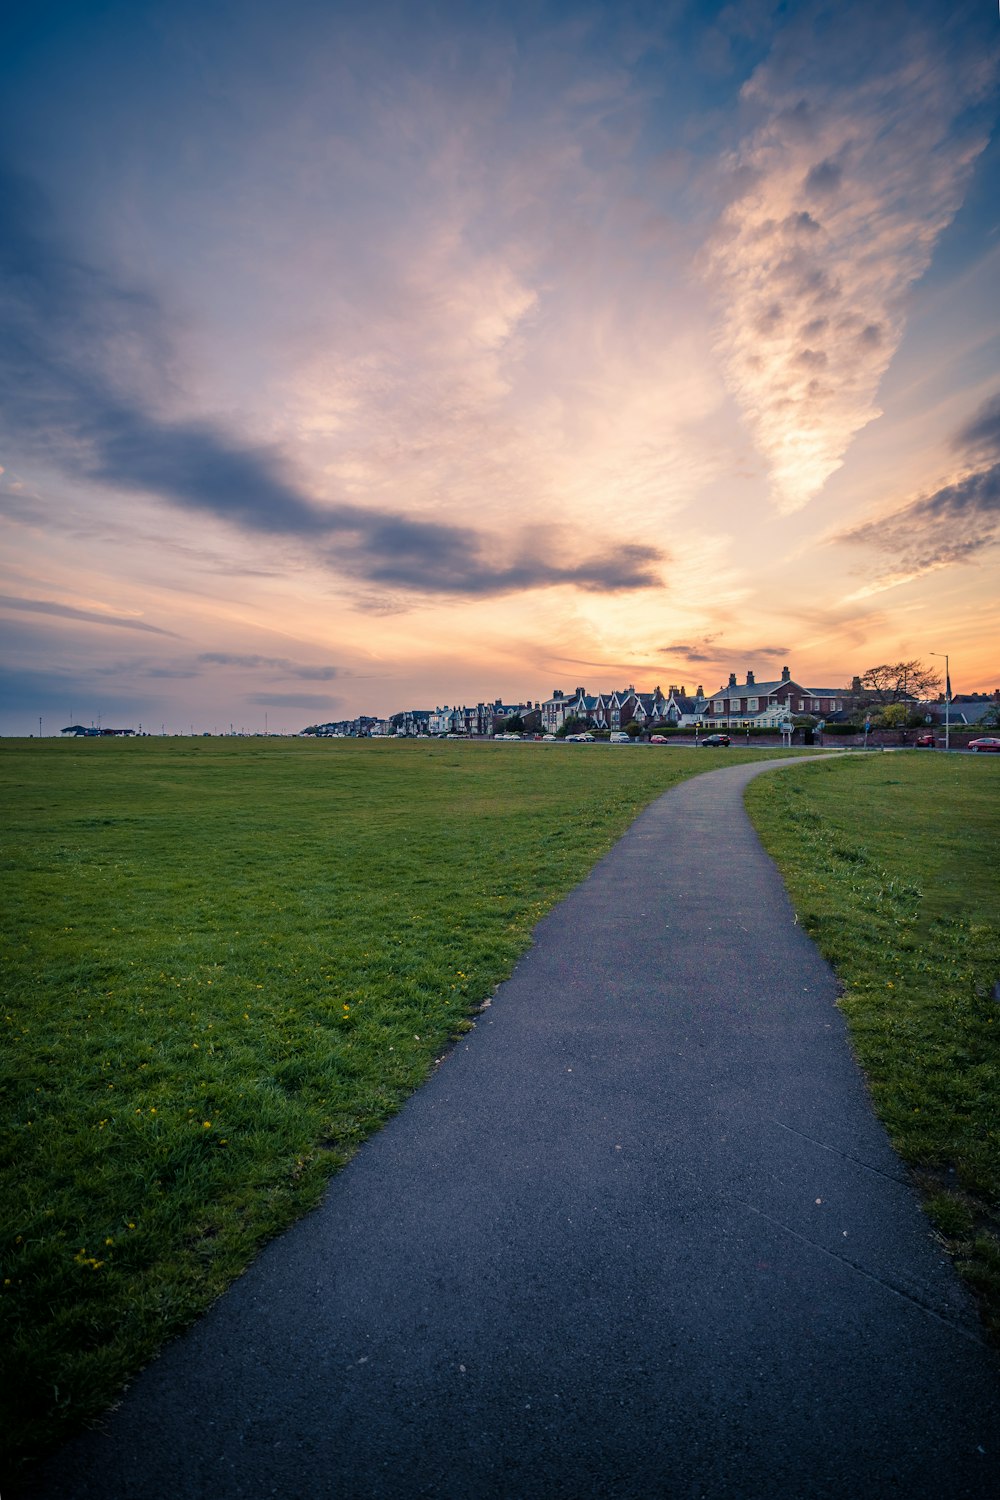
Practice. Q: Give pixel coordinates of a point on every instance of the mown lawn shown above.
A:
(893, 863)
(225, 963)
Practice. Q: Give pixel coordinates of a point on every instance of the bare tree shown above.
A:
(898, 682)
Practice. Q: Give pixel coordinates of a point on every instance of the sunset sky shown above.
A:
(362, 357)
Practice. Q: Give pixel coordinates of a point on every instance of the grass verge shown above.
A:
(891, 862)
(227, 962)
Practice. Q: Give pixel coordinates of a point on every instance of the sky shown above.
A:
(364, 357)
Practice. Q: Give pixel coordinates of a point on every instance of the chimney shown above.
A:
(732, 678)
(786, 675)
(700, 693)
(750, 679)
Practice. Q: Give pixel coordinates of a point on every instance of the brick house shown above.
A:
(767, 704)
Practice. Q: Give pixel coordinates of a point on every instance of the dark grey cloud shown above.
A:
(952, 525)
(693, 654)
(68, 612)
(77, 353)
(956, 522)
(706, 651)
(269, 663)
(62, 697)
(750, 652)
(802, 223)
(292, 700)
(824, 179)
(981, 436)
(811, 359)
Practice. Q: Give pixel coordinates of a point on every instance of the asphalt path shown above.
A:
(640, 1235)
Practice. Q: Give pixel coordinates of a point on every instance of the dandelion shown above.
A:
(206, 1124)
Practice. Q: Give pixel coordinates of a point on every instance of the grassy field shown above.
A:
(892, 863)
(226, 962)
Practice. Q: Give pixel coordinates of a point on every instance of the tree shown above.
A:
(897, 682)
(573, 725)
(514, 725)
(893, 716)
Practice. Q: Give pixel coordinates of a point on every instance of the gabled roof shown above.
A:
(757, 689)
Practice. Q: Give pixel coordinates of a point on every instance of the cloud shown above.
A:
(980, 438)
(842, 192)
(695, 654)
(954, 524)
(270, 663)
(63, 696)
(65, 326)
(292, 700)
(69, 612)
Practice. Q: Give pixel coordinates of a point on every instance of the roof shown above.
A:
(756, 689)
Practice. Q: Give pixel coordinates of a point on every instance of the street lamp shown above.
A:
(947, 698)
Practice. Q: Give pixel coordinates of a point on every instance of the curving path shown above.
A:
(640, 1236)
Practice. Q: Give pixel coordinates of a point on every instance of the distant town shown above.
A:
(891, 697)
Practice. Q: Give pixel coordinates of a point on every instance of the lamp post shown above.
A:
(947, 698)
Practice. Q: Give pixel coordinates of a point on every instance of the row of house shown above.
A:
(736, 705)
(763, 705)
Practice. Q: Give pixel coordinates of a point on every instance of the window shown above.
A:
(719, 706)
(752, 705)
(734, 705)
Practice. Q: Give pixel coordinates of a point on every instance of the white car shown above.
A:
(621, 738)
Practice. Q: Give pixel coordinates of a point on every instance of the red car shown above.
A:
(925, 741)
(986, 744)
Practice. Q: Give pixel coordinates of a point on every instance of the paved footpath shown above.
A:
(640, 1236)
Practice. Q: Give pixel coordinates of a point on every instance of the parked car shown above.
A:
(713, 740)
(989, 743)
(924, 741)
(579, 739)
(658, 739)
(621, 738)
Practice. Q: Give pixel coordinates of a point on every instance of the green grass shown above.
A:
(892, 863)
(225, 963)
